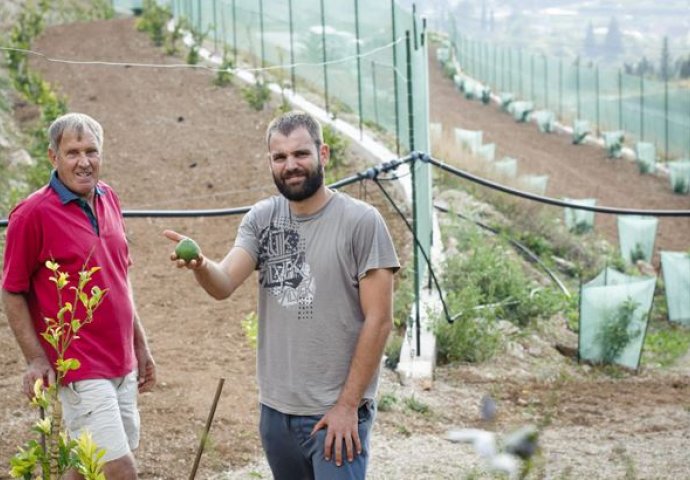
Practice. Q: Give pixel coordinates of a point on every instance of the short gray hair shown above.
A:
(291, 121)
(74, 122)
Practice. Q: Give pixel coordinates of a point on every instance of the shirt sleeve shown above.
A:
(247, 236)
(373, 245)
(22, 248)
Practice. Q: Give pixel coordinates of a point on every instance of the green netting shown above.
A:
(645, 157)
(613, 142)
(127, 6)
(636, 235)
(679, 175)
(614, 312)
(676, 271)
(506, 167)
(521, 110)
(468, 139)
(647, 110)
(443, 54)
(546, 120)
(487, 152)
(350, 54)
(581, 129)
(534, 183)
(506, 98)
(577, 220)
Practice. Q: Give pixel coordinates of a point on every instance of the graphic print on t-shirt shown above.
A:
(283, 267)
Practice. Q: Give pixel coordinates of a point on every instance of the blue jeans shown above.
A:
(293, 454)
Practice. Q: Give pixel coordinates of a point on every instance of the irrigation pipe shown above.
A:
(542, 199)
(207, 428)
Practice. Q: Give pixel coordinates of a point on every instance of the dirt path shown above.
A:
(175, 141)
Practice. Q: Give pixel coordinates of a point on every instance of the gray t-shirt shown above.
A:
(309, 310)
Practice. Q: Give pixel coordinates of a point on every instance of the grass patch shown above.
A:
(416, 405)
(665, 343)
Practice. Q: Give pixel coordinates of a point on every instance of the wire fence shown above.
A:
(647, 110)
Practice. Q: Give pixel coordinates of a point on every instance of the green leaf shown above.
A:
(52, 266)
(67, 364)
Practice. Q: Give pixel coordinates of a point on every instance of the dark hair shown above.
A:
(74, 122)
(290, 121)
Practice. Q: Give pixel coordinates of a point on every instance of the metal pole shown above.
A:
(395, 80)
(261, 32)
(414, 25)
(510, 72)
(546, 82)
(666, 113)
(223, 31)
(620, 99)
(215, 25)
(323, 54)
(503, 68)
(292, 49)
(413, 167)
(376, 98)
(495, 69)
(359, 71)
(596, 90)
(522, 93)
(198, 18)
(560, 88)
(531, 77)
(234, 30)
(577, 85)
(642, 108)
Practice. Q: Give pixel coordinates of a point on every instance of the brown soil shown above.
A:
(174, 141)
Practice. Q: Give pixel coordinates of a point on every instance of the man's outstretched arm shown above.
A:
(219, 279)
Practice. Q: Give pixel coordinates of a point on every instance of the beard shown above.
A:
(313, 180)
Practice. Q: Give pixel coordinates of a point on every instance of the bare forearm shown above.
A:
(19, 318)
(366, 360)
(214, 280)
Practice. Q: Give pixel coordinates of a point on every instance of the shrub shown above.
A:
(338, 144)
(411, 403)
(225, 71)
(153, 20)
(250, 327)
(257, 95)
(59, 454)
(616, 334)
(387, 402)
(392, 351)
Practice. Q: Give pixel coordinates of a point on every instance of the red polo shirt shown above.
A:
(53, 226)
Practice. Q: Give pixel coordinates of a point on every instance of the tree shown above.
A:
(613, 43)
(590, 48)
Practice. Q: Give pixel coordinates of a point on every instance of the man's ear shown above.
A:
(325, 153)
(52, 156)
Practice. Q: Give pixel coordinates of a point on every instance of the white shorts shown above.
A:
(108, 409)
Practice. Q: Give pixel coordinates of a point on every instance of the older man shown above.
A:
(76, 222)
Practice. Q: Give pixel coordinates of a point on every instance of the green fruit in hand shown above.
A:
(187, 249)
